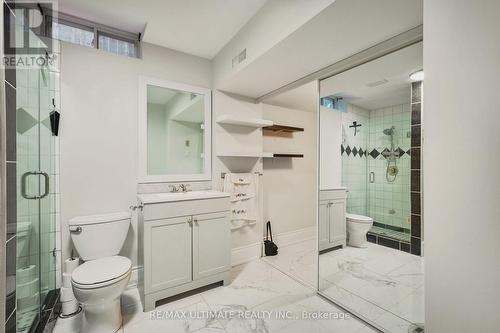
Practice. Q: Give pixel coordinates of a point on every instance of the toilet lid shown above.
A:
(101, 270)
(359, 218)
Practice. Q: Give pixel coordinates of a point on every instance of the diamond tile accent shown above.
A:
(25, 121)
(354, 151)
(374, 153)
(348, 150)
(342, 149)
(361, 152)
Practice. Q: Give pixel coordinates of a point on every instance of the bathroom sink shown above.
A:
(180, 196)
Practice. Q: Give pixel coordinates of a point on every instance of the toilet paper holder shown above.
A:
(75, 230)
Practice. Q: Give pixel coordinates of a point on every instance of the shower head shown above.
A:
(389, 131)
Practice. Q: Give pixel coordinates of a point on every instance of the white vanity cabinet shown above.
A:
(332, 218)
(184, 243)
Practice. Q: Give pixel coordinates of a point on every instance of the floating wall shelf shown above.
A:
(250, 122)
(283, 128)
(275, 155)
(248, 155)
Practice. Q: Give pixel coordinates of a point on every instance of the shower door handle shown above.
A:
(24, 178)
(47, 184)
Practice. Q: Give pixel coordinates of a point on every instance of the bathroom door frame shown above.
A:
(380, 50)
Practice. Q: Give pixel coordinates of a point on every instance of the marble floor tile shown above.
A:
(381, 284)
(298, 260)
(257, 287)
(411, 274)
(257, 283)
(190, 318)
(411, 307)
(392, 323)
(353, 302)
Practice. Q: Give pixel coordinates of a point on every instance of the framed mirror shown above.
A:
(174, 132)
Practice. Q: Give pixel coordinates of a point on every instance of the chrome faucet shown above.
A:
(173, 188)
(185, 188)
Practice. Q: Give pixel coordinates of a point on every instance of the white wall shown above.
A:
(461, 165)
(289, 183)
(264, 31)
(99, 134)
(246, 241)
(330, 164)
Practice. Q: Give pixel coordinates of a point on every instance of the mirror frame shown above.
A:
(143, 132)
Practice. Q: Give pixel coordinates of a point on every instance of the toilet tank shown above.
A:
(98, 236)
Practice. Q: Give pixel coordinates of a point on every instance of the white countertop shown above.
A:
(151, 198)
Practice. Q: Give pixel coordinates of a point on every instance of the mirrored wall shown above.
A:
(369, 227)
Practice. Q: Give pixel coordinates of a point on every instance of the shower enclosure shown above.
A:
(33, 231)
(376, 169)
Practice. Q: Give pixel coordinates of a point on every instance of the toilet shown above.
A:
(99, 282)
(357, 228)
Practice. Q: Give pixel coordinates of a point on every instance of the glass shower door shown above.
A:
(35, 265)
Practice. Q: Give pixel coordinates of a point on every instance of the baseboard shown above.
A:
(243, 254)
(295, 236)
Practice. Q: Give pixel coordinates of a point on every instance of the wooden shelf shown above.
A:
(283, 128)
(277, 155)
(249, 122)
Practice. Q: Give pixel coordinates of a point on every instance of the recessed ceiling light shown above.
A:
(417, 76)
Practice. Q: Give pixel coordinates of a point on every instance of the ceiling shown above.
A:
(356, 85)
(195, 27)
(396, 91)
(303, 98)
(342, 29)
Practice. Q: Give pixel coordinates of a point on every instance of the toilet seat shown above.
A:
(101, 272)
(355, 218)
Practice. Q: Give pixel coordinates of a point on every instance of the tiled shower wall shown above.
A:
(416, 169)
(389, 202)
(354, 176)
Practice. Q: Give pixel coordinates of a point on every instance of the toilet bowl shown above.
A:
(99, 282)
(98, 285)
(357, 228)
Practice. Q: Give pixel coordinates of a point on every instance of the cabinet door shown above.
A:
(167, 253)
(337, 229)
(323, 232)
(211, 244)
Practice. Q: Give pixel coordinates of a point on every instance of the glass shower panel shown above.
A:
(389, 188)
(35, 265)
